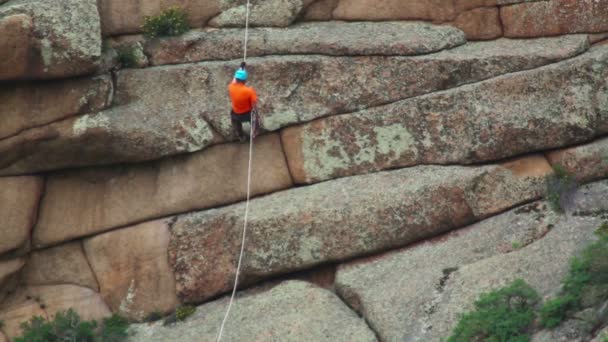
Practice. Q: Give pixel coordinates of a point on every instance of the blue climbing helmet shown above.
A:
(241, 75)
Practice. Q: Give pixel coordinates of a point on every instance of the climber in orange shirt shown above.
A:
(244, 102)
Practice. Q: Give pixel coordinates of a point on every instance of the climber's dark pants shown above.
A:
(237, 122)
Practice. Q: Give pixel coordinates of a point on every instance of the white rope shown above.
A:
(251, 131)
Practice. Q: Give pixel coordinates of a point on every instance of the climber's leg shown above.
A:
(237, 123)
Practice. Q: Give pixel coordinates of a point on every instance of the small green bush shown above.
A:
(184, 312)
(591, 268)
(502, 315)
(127, 57)
(560, 187)
(171, 22)
(68, 326)
(154, 316)
(114, 329)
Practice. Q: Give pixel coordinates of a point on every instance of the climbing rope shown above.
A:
(251, 133)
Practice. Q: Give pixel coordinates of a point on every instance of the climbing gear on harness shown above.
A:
(254, 123)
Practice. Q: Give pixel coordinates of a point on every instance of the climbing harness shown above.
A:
(252, 131)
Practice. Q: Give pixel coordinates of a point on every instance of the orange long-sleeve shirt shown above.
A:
(243, 97)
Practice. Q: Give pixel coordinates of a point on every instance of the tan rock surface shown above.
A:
(320, 10)
(468, 124)
(35, 104)
(265, 13)
(586, 162)
(52, 44)
(65, 264)
(16, 32)
(435, 10)
(480, 23)
(556, 17)
(292, 311)
(19, 197)
(438, 280)
(341, 219)
(45, 301)
(132, 267)
(153, 117)
(9, 276)
(121, 16)
(85, 202)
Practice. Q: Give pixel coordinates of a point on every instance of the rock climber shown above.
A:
(244, 103)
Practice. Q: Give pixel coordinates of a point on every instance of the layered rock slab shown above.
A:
(330, 38)
(586, 162)
(549, 107)
(65, 264)
(49, 43)
(9, 276)
(120, 17)
(19, 197)
(556, 17)
(46, 301)
(132, 269)
(154, 118)
(290, 311)
(85, 202)
(335, 221)
(35, 104)
(279, 13)
(418, 293)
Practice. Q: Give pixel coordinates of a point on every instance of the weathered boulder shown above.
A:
(556, 105)
(132, 269)
(435, 10)
(50, 44)
(65, 264)
(19, 197)
(279, 13)
(291, 311)
(480, 23)
(556, 17)
(586, 162)
(120, 17)
(334, 221)
(330, 38)
(16, 32)
(128, 133)
(36, 104)
(320, 10)
(598, 37)
(45, 301)
(154, 117)
(464, 5)
(418, 293)
(84, 202)
(9, 276)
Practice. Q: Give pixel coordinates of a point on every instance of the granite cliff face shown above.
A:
(405, 150)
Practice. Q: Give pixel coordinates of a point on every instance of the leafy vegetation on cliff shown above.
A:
(588, 270)
(501, 315)
(171, 22)
(508, 313)
(68, 326)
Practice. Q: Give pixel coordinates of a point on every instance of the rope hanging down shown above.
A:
(252, 125)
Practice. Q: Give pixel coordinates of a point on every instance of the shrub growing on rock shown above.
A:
(591, 269)
(171, 22)
(68, 326)
(560, 188)
(502, 315)
(127, 57)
